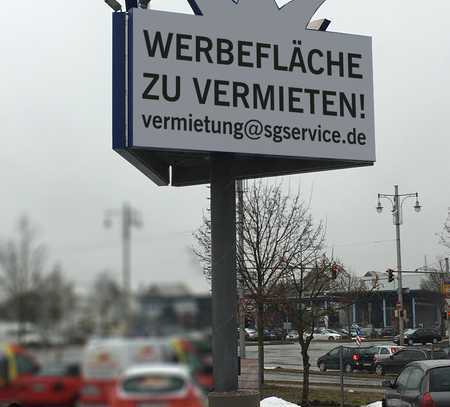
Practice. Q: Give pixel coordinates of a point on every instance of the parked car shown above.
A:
(156, 385)
(420, 384)
(269, 335)
(354, 358)
(251, 334)
(385, 351)
(104, 360)
(352, 334)
(368, 332)
(343, 332)
(292, 336)
(326, 334)
(420, 335)
(388, 331)
(278, 333)
(54, 385)
(396, 362)
(16, 364)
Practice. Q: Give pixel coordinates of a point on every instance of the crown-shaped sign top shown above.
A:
(295, 13)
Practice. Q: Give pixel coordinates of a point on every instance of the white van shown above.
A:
(104, 360)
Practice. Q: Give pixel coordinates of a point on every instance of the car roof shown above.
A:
(162, 369)
(431, 364)
(390, 346)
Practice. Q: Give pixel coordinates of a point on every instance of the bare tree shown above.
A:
(350, 289)
(22, 261)
(318, 288)
(310, 282)
(276, 224)
(444, 236)
(105, 302)
(433, 283)
(57, 299)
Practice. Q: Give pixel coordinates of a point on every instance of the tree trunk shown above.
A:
(306, 371)
(260, 330)
(349, 320)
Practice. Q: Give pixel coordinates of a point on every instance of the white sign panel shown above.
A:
(249, 78)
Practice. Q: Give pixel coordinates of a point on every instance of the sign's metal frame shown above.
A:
(182, 168)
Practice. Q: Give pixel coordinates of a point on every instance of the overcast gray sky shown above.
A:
(57, 165)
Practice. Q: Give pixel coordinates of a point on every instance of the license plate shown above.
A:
(38, 387)
(367, 364)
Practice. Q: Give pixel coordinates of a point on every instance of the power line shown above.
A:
(368, 243)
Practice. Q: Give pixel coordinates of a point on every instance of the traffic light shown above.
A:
(390, 275)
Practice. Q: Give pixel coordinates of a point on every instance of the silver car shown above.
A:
(385, 351)
(424, 383)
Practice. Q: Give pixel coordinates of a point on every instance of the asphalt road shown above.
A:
(288, 356)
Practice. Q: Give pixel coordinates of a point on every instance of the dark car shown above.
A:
(420, 335)
(396, 362)
(420, 384)
(278, 333)
(354, 358)
(388, 331)
(269, 335)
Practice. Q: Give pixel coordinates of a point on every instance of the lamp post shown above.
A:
(129, 217)
(397, 201)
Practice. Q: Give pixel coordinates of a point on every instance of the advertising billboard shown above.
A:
(248, 79)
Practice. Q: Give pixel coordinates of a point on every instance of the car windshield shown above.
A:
(153, 384)
(410, 331)
(440, 380)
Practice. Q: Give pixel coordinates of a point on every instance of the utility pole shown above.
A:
(129, 217)
(447, 277)
(240, 195)
(397, 206)
(397, 220)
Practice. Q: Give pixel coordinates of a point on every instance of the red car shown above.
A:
(16, 364)
(157, 385)
(54, 385)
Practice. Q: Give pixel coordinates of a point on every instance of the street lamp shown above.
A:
(397, 201)
(379, 207)
(417, 206)
(114, 4)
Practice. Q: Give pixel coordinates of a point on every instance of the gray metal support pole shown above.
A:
(397, 221)
(240, 192)
(384, 313)
(224, 282)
